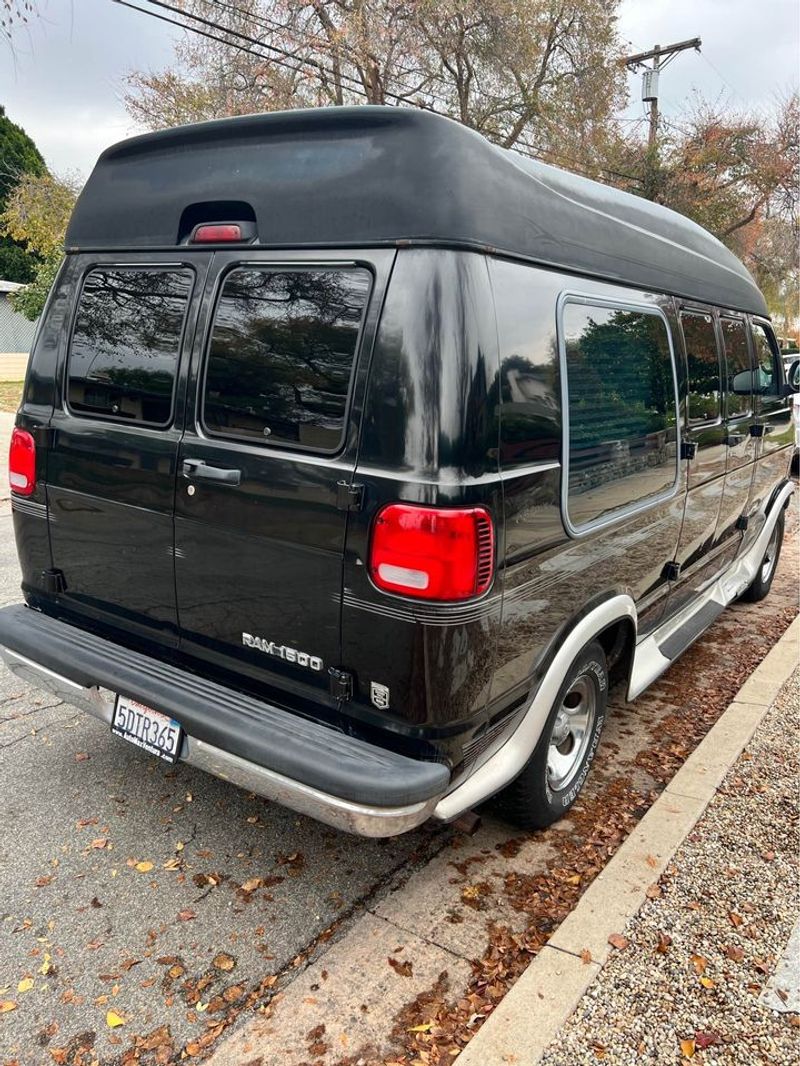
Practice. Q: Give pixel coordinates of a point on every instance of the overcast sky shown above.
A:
(64, 82)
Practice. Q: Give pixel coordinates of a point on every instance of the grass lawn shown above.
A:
(10, 395)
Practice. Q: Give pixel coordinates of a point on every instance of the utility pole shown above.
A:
(661, 57)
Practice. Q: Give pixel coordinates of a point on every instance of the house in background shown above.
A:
(16, 336)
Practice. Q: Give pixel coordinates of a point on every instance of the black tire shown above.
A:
(538, 797)
(762, 582)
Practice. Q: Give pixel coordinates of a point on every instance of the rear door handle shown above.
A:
(199, 470)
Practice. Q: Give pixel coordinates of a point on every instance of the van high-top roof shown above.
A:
(359, 176)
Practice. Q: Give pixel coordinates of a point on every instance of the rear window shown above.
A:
(126, 343)
(281, 355)
(621, 406)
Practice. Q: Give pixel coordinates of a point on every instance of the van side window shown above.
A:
(737, 368)
(530, 405)
(767, 375)
(705, 385)
(621, 403)
(281, 355)
(126, 343)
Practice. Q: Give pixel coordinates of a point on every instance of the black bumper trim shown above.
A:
(303, 750)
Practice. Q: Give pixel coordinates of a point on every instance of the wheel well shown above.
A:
(618, 642)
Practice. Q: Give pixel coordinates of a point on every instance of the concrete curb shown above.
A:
(530, 1016)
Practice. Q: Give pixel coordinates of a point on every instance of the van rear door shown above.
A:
(267, 459)
(114, 438)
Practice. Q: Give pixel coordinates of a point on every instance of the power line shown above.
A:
(321, 68)
(352, 84)
(261, 19)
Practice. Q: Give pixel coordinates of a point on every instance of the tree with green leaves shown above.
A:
(36, 214)
(18, 156)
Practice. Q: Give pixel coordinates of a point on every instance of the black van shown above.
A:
(357, 457)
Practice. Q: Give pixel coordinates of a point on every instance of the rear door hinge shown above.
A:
(349, 497)
(671, 571)
(54, 582)
(341, 684)
(688, 449)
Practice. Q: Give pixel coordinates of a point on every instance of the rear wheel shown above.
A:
(552, 778)
(766, 572)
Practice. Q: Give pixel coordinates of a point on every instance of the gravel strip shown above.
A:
(686, 988)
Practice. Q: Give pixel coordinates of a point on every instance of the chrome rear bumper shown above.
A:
(340, 813)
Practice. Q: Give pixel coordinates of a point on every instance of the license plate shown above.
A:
(157, 733)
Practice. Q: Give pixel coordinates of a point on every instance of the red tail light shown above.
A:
(22, 462)
(432, 553)
(217, 233)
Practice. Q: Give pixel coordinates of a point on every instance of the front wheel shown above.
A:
(762, 582)
(550, 781)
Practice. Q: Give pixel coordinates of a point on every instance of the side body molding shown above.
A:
(504, 765)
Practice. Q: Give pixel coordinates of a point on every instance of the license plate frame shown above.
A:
(137, 723)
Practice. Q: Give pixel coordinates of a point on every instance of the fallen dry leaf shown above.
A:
(186, 915)
(704, 1039)
(706, 982)
(687, 1048)
(144, 867)
(25, 985)
(113, 1020)
(664, 943)
(100, 842)
(6, 1005)
(405, 968)
(252, 884)
(616, 940)
(735, 919)
(654, 891)
(586, 956)
(699, 963)
(224, 962)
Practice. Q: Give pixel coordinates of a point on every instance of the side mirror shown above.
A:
(743, 383)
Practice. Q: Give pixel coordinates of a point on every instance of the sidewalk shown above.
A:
(702, 972)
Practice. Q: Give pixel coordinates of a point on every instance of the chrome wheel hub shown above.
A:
(770, 554)
(571, 734)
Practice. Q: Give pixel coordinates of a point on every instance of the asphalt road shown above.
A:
(80, 810)
(167, 897)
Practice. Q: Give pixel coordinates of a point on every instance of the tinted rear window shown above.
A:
(281, 355)
(126, 343)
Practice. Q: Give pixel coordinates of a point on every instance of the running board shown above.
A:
(657, 652)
